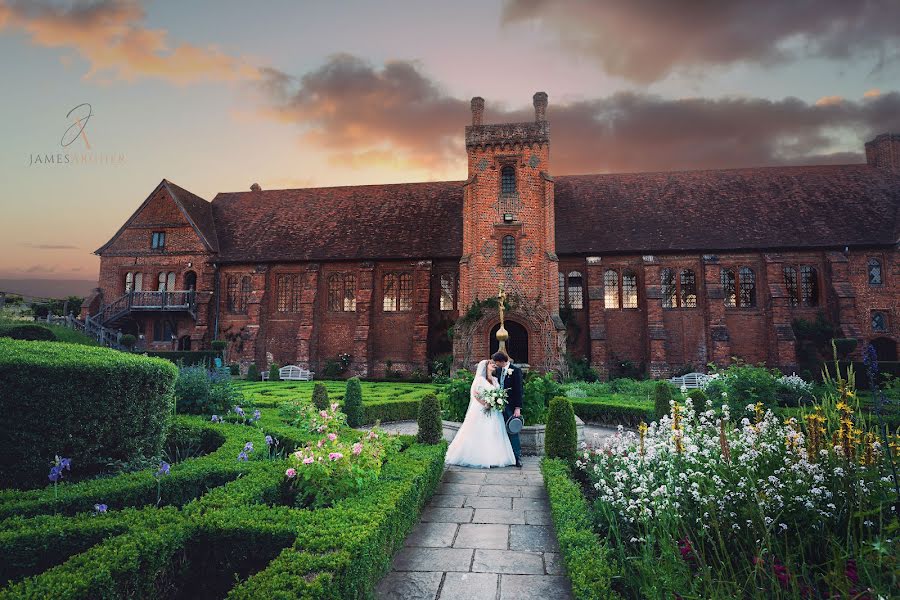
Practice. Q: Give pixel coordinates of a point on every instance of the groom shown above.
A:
(511, 380)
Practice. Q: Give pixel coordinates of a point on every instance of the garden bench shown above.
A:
(294, 373)
(690, 381)
(264, 376)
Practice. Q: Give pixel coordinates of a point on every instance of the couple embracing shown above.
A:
(489, 434)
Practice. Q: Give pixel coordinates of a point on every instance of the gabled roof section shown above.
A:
(195, 209)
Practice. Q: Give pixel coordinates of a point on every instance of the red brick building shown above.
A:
(659, 269)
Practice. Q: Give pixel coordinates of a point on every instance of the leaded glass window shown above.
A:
(629, 289)
(874, 270)
(688, 297)
(287, 293)
(809, 286)
(747, 285)
(879, 322)
(389, 292)
(576, 290)
(448, 291)
(405, 302)
(508, 180)
(729, 288)
(231, 293)
(667, 283)
(562, 289)
(611, 289)
(790, 285)
(335, 292)
(349, 293)
(509, 251)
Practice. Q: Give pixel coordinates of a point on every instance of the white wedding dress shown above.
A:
(481, 441)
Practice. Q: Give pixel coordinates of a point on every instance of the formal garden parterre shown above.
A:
(220, 507)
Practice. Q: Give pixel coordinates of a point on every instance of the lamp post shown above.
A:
(502, 334)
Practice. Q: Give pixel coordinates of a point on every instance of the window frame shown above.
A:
(287, 293)
(799, 293)
(569, 288)
(506, 259)
(611, 290)
(508, 185)
(877, 261)
(885, 319)
(673, 294)
(158, 240)
(451, 289)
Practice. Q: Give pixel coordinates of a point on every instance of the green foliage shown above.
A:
(353, 403)
(336, 367)
(187, 358)
(845, 346)
(699, 397)
(234, 369)
(218, 346)
(202, 392)
(320, 396)
(431, 430)
(274, 374)
(580, 369)
(813, 342)
(539, 390)
(743, 385)
(93, 405)
(30, 332)
(457, 393)
(561, 439)
(587, 558)
(627, 369)
(128, 341)
(440, 367)
(612, 412)
(252, 372)
(662, 398)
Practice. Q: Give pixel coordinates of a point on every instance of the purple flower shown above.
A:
(215, 419)
(239, 411)
(243, 457)
(65, 463)
(163, 469)
(256, 415)
(100, 508)
(269, 440)
(55, 473)
(248, 447)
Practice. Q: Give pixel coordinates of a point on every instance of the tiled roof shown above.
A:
(198, 210)
(413, 220)
(762, 208)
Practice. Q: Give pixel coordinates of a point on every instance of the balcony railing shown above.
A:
(171, 301)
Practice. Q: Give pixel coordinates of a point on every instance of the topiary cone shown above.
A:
(320, 396)
(561, 438)
(662, 398)
(431, 430)
(353, 403)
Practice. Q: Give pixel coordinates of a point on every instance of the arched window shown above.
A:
(190, 280)
(688, 297)
(790, 285)
(389, 292)
(667, 284)
(747, 286)
(875, 274)
(508, 180)
(576, 290)
(237, 294)
(405, 302)
(245, 293)
(809, 286)
(729, 288)
(562, 289)
(629, 289)
(879, 322)
(349, 293)
(448, 291)
(166, 281)
(129, 282)
(287, 292)
(138, 282)
(611, 289)
(335, 292)
(509, 251)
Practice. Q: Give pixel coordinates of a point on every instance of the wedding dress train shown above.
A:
(481, 441)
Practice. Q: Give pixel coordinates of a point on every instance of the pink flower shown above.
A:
(334, 406)
(332, 437)
(335, 456)
(291, 473)
(320, 429)
(298, 454)
(321, 443)
(308, 460)
(357, 448)
(372, 435)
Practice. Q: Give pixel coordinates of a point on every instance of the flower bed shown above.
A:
(232, 520)
(703, 505)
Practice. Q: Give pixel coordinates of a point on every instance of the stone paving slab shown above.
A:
(432, 535)
(537, 517)
(448, 501)
(488, 502)
(517, 587)
(553, 564)
(531, 503)
(470, 586)
(458, 488)
(409, 586)
(508, 562)
(507, 491)
(473, 477)
(448, 515)
(433, 559)
(533, 538)
(493, 515)
(482, 535)
(532, 491)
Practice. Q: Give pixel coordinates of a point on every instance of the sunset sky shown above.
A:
(217, 95)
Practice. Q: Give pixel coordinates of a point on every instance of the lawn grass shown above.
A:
(63, 334)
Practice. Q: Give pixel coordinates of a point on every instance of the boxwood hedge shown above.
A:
(93, 405)
(240, 529)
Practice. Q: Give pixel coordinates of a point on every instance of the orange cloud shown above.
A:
(111, 37)
(829, 100)
(873, 93)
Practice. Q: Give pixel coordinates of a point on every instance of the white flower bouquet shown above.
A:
(494, 399)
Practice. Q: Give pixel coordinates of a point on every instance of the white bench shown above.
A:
(294, 373)
(264, 376)
(690, 381)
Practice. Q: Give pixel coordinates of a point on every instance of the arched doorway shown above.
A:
(885, 348)
(190, 281)
(517, 344)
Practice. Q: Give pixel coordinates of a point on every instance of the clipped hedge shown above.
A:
(352, 406)
(587, 559)
(431, 429)
(611, 412)
(92, 405)
(188, 358)
(27, 331)
(561, 434)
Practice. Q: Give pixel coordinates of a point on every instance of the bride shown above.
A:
(481, 440)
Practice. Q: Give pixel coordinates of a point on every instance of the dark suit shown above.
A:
(514, 392)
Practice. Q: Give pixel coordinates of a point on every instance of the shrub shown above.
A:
(431, 430)
(234, 369)
(252, 372)
(187, 358)
(218, 346)
(562, 435)
(587, 559)
(613, 412)
(274, 374)
(93, 405)
(320, 396)
(457, 395)
(662, 397)
(28, 332)
(698, 396)
(128, 341)
(580, 369)
(744, 385)
(201, 392)
(539, 390)
(353, 402)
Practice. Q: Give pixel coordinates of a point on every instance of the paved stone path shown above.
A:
(486, 534)
(593, 434)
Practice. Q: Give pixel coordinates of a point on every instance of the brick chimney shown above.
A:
(540, 107)
(477, 110)
(884, 152)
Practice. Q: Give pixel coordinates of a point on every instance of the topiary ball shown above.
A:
(662, 398)
(320, 396)
(561, 437)
(431, 430)
(353, 403)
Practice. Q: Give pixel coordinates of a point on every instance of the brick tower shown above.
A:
(509, 238)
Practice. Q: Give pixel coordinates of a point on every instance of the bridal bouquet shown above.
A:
(495, 399)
